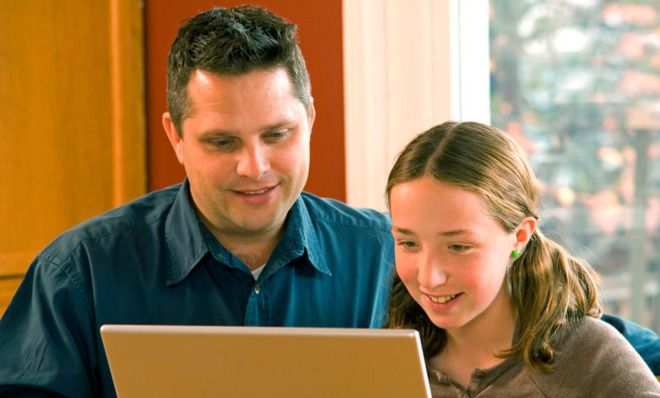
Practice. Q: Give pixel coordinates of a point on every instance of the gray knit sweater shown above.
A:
(592, 361)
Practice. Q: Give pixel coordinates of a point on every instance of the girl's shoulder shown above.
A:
(594, 358)
(593, 332)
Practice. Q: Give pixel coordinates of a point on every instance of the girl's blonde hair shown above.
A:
(549, 288)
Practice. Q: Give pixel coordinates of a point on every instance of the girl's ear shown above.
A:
(524, 232)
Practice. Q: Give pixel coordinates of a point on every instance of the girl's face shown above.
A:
(451, 255)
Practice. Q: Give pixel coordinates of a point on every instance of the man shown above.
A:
(236, 244)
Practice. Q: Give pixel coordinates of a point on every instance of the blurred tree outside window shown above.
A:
(577, 84)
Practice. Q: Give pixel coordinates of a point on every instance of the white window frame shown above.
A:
(408, 65)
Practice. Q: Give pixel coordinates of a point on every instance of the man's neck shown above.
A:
(253, 251)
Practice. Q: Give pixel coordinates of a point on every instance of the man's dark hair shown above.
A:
(233, 41)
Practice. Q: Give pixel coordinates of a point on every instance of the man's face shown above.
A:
(245, 149)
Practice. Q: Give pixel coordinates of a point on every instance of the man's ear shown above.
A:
(312, 114)
(524, 232)
(173, 136)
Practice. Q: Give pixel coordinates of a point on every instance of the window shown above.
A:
(577, 84)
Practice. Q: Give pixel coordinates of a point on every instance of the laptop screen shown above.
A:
(224, 361)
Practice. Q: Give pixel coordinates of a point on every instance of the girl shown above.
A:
(501, 309)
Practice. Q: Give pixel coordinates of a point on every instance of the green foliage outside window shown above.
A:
(577, 84)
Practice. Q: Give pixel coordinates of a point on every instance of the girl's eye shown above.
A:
(406, 244)
(458, 248)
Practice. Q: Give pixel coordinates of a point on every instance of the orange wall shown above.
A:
(320, 30)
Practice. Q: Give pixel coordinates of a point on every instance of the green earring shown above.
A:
(515, 253)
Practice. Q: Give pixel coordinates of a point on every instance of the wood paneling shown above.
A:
(71, 119)
(7, 288)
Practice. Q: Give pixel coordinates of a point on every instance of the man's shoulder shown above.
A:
(336, 212)
(645, 341)
(137, 217)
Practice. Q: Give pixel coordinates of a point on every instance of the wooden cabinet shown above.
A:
(72, 123)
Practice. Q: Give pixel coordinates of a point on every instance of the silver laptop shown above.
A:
(222, 361)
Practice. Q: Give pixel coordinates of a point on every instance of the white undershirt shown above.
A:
(257, 271)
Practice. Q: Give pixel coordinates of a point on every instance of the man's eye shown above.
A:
(274, 136)
(223, 144)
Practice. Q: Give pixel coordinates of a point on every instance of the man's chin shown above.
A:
(250, 227)
(252, 221)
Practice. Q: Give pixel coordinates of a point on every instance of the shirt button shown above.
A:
(257, 289)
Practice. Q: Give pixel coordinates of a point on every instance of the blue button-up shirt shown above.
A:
(153, 262)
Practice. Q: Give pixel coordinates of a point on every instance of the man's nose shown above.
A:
(252, 161)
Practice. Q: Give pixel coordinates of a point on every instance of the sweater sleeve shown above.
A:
(597, 361)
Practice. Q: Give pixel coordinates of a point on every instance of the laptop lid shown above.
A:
(227, 361)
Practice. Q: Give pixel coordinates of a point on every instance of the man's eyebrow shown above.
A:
(217, 132)
(279, 125)
(270, 127)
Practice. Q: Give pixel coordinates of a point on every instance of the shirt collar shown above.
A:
(187, 247)
(185, 244)
(299, 238)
